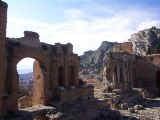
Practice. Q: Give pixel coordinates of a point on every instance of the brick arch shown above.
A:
(16, 54)
(39, 73)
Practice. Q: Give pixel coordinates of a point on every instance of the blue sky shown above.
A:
(84, 23)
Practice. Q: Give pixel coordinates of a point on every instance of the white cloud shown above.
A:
(149, 24)
(86, 34)
(26, 63)
(87, 27)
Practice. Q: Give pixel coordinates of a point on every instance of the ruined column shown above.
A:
(114, 78)
(38, 84)
(3, 23)
(13, 85)
(76, 76)
(118, 74)
(68, 55)
(66, 82)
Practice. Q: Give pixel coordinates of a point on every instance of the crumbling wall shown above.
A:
(145, 74)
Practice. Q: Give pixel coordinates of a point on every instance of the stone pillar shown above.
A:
(125, 75)
(3, 23)
(13, 85)
(114, 78)
(73, 75)
(130, 78)
(77, 71)
(76, 76)
(38, 85)
(66, 81)
(54, 74)
(118, 74)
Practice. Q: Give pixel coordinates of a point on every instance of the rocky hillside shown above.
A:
(146, 41)
(91, 61)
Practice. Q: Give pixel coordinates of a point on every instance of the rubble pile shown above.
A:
(125, 100)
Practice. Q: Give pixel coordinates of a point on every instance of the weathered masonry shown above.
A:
(125, 71)
(55, 69)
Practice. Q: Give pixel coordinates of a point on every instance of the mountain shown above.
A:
(25, 76)
(24, 70)
(146, 41)
(26, 80)
(91, 61)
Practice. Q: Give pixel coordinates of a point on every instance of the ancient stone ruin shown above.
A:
(124, 70)
(55, 69)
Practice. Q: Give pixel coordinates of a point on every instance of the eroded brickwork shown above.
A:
(124, 47)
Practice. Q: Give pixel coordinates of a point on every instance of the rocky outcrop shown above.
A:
(91, 61)
(146, 41)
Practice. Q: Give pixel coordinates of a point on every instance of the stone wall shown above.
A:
(3, 22)
(69, 95)
(154, 58)
(145, 73)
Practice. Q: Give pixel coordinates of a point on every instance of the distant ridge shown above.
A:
(24, 71)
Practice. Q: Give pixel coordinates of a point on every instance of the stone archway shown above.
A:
(39, 74)
(38, 83)
(158, 81)
(38, 89)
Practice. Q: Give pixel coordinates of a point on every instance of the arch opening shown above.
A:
(30, 78)
(25, 82)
